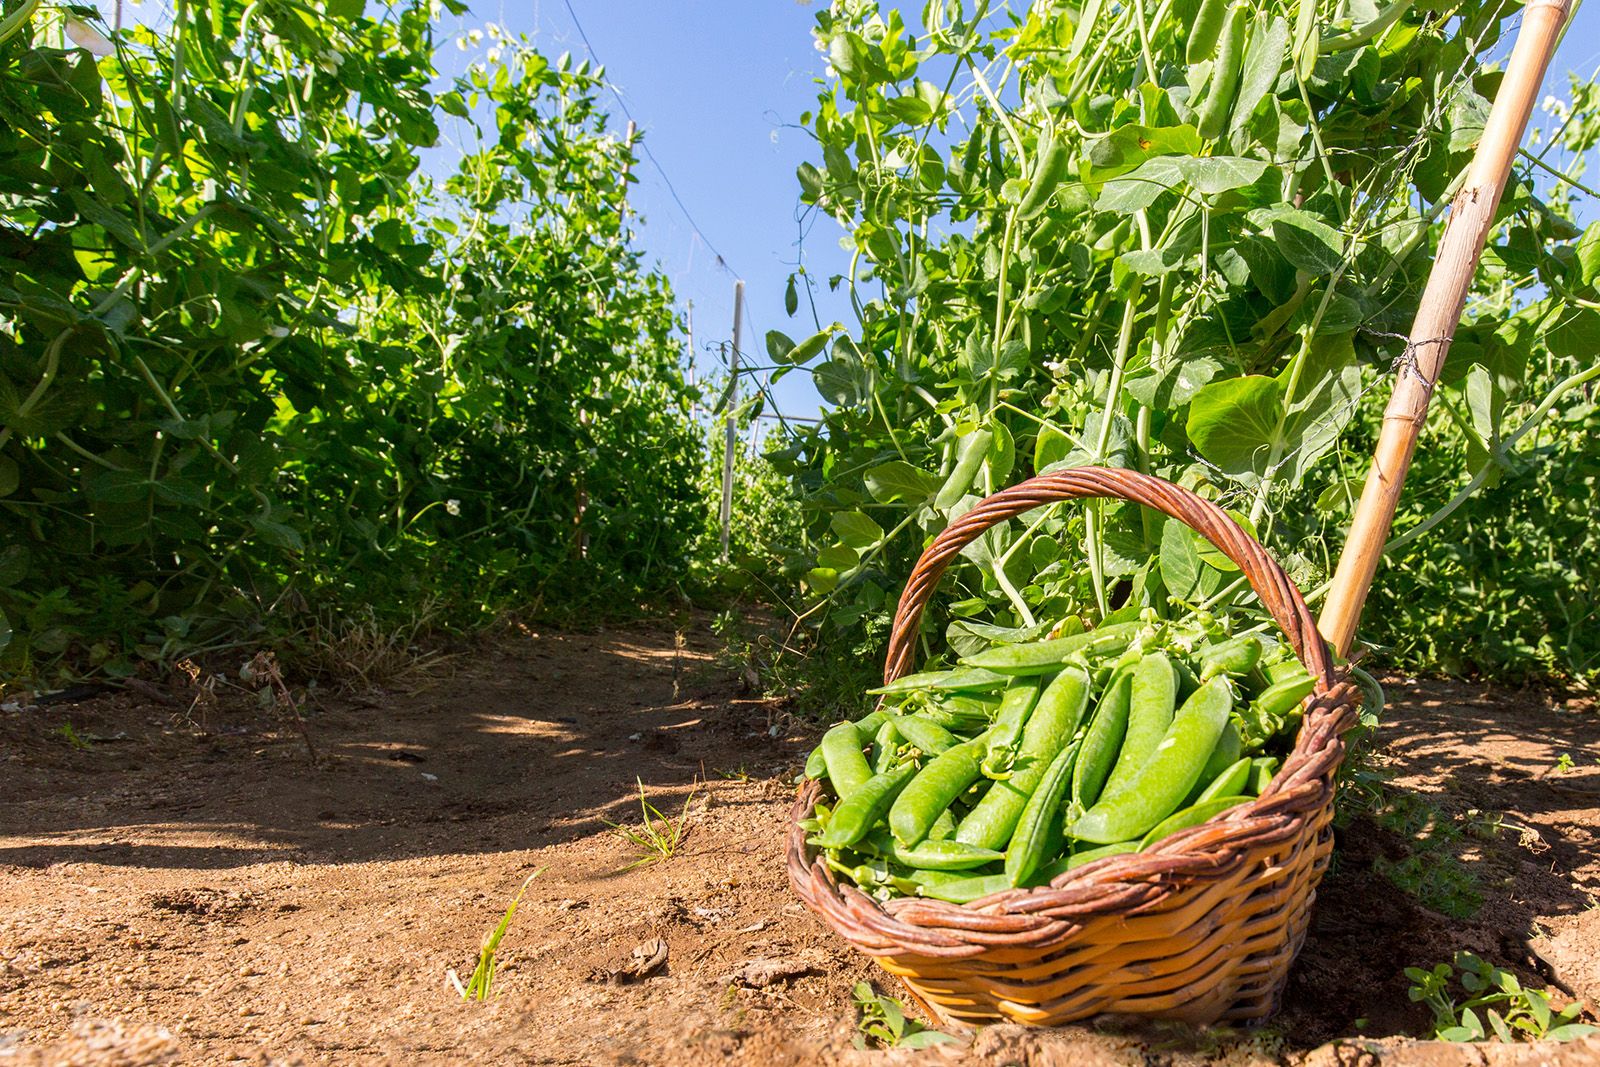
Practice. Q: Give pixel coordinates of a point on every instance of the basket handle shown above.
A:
(1280, 595)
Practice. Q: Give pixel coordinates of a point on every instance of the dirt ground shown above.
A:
(188, 887)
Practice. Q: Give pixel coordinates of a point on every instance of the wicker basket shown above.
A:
(1200, 927)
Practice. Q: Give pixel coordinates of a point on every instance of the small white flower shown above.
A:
(453, 506)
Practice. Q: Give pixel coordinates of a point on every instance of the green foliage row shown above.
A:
(260, 366)
(1085, 233)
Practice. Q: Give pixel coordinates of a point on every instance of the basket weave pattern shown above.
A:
(1201, 926)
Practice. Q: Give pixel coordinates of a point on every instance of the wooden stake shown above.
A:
(726, 511)
(1466, 231)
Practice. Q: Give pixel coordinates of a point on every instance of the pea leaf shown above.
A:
(1233, 423)
(899, 480)
(1308, 242)
(856, 528)
(1217, 174)
(1180, 563)
(1263, 60)
(1140, 188)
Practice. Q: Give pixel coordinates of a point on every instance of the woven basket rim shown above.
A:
(1038, 916)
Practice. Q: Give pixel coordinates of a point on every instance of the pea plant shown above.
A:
(1496, 1006)
(1179, 236)
(261, 370)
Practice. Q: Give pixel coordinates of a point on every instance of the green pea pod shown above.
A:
(866, 726)
(1051, 158)
(1166, 778)
(944, 778)
(1281, 698)
(933, 854)
(965, 678)
(1051, 726)
(944, 826)
(959, 712)
(885, 746)
(1101, 743)
(861, 809)
(1205, 29)
(1188, 681)
(1153, 701)
(1043, 657)
(1284, 670)
(1306, 39)
(926, 734)
(1230, 746)
(1213, 115)
(1193, 815)
(1237, 657)
(1232, 782)
(963, 887)
(1031, 841)
(1020, 698)
(1100, 852)
(970, 458)
(848, 769)
(1262, 768)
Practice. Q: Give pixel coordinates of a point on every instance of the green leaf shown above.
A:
(1139, 189)
(1576, 334)
(1586, 256)
(899, 480)
(810, 182)
(838, 557)
(856, 529)
(1180, 563)
(779, 345)
(1126, 147)
(1218, 174)
(1051, 446)
(925, 1039)
(278, 534)
(1234, 422)
(1308, 242)
(10, 476)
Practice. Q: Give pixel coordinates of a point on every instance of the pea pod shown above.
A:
(1231, 782)
(866, 726)
(970, 458)
(1101, 743)
(961, 887)
(1205, 29)
(847, 765)
(959, 712)
(1166, 778)
(1153, 699)
(933, 854)
(1262, 768)
(1051, 158)
(926, 734)
(1284, 670)
(861, 809)
(1030, 844)
(1100, 852)
(943, 827)
(885, 746)
(1230, 746)
(1281, 698)
(945, 777)
(961, 678)
(1236, 658)
(1224, 76)
(1053, 722)
(1193, 815)
(1020, 698)
(1042, 657)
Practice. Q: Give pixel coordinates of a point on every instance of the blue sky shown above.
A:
(718, 87)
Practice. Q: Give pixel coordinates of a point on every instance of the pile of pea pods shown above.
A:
(1050, 748)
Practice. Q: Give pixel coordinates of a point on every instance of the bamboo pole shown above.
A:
(1466, 231)
(725, 512)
